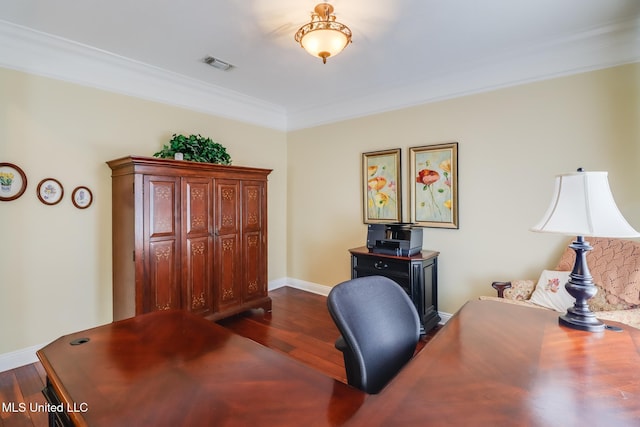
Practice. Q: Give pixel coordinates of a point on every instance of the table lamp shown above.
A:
(582, 205)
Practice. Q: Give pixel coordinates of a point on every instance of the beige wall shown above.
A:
(55, 261)
(512, 142)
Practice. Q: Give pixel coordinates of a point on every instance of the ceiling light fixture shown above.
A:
(323, 36)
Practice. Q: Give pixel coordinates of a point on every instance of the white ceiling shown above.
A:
(404, 52)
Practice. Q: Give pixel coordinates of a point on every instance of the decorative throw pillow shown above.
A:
(550, 291)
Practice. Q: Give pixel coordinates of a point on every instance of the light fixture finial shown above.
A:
(323, 36)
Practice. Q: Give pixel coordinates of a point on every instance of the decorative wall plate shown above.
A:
(82, 197)
(50, 191)
(13, 182)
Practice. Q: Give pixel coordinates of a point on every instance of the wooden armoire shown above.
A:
(189, 236)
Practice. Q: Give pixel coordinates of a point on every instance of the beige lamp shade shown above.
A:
(583, 205)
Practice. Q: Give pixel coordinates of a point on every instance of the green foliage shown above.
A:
(195, 148)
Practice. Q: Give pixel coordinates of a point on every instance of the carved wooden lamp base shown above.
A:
(581, 287)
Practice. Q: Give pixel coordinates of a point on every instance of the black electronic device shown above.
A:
(400, 239)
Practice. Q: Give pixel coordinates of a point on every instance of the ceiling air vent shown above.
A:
(216, 63)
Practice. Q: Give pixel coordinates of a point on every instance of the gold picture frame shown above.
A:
(433, 187)
(381, 187)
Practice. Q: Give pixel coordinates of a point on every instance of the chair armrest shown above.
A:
(515, 289)
(500, 287)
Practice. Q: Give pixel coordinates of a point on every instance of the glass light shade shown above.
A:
(582, 205)
(323, 37)
(324, 43)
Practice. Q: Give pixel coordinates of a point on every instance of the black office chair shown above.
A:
(380, 329)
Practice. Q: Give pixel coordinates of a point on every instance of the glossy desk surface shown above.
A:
(493, 364)
(499, 364)
(175, 369)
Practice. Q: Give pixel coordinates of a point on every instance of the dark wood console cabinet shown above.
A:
(417, 274)
(189, 236)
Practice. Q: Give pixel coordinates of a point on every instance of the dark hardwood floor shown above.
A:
(299, 326)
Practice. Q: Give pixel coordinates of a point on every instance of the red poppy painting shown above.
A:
(434, 185)
(381, 186)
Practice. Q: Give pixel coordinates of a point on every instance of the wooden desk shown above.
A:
(493, 364)
(499, 364)
(177, 369)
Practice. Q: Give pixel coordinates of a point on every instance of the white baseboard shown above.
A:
(324, 290)
(18, 358)
(444, 317)
(277, 283)
(300, 284)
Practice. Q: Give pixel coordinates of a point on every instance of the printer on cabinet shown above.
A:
(399, 239)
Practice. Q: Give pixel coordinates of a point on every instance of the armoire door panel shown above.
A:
(161, 237)
(252, 206)
(227, 256)
(197, 261)
(162, 275)
(197, 275)
(254, 266)
(161, 198)
(197, 206)
(227, 201)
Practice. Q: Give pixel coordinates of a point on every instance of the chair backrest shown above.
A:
(380, 327)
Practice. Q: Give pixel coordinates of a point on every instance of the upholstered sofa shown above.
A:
(615, 267)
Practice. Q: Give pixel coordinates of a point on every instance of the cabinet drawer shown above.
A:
(382, 266)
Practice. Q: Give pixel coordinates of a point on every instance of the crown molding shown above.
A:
(24, 49)
(599, 48)
(38, 53)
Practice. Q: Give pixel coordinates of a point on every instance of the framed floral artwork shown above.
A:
(13, 182)
(381, 189)
(82, 197)
(434, 185)
(50, 191)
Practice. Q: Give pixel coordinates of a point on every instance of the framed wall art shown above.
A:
(13, 182)
(82, 197)
(381, 189)
(434, 185)
(50, 191)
